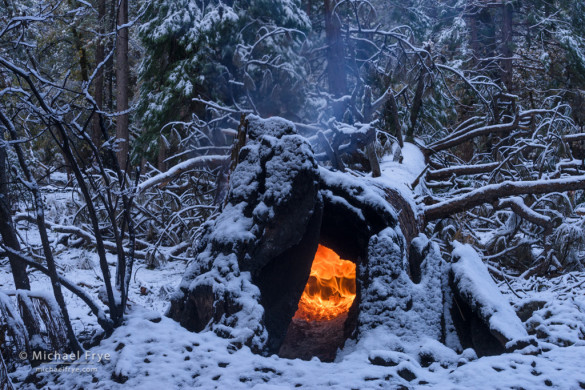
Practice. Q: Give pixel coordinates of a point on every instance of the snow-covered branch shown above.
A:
(519, 207)
(492, 192)
(445, 173)
(164, 177)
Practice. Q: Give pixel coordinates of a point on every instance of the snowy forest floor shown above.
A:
(150, 351)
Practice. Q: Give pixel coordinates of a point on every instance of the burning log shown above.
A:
(302, 258)
(256, 256)
(317, 328)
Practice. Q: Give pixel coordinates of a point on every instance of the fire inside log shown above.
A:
(330, 290)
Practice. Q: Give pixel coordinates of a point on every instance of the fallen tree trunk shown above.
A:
(254, 259)
(471, 132)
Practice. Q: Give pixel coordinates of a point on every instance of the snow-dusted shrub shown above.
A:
(569, 245)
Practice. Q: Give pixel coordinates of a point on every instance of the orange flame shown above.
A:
(330, 290)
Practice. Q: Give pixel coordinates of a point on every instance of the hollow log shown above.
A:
(254, 260)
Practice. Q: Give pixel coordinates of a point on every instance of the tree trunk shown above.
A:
(335, 53)
(507, 36)
(474, 38)
(416, 106)
(96, 133)
(7, 231)
(162, 155)
(122, 71)
(493, 192)
(83, 62)
(40, 220)
(373, 158)
(392, 120)
(368, 112)
(109, 71)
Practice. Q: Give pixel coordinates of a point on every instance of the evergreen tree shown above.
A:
(233, 53)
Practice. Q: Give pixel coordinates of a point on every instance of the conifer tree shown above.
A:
(233, 53)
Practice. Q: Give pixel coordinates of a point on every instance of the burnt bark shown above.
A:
(282, 282)
(277, 243)
(245, 283)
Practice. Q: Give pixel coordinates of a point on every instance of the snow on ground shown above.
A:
(151, 351)
(149, 288)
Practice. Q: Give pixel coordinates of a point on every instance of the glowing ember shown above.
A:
(330, 290)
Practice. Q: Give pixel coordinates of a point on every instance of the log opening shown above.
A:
(324, 316)
(330, 290)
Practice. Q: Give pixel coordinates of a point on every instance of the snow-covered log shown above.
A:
(273, 199)
(165, 177)
(254, 259)
(445, 173)
(86, 236)
(483, 317)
